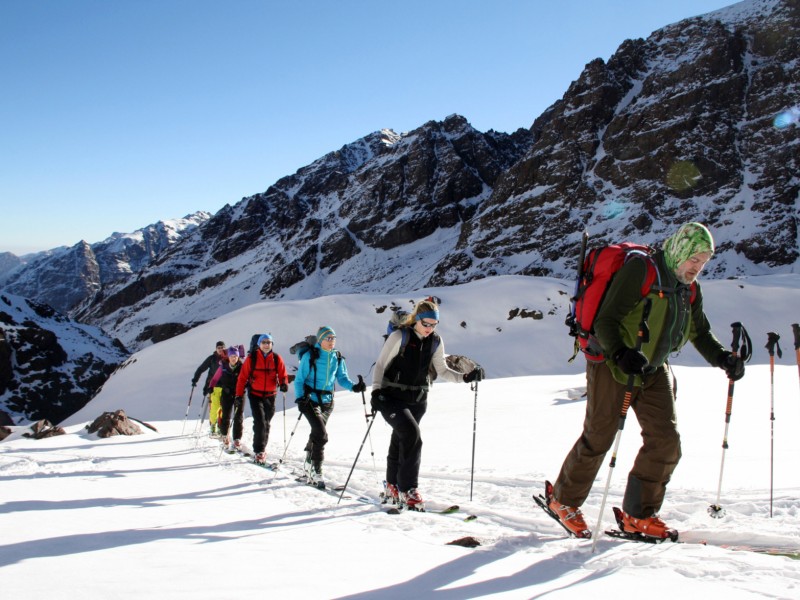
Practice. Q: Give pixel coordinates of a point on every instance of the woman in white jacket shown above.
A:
(400, 386)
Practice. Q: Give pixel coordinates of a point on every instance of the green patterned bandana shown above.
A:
(690, 239)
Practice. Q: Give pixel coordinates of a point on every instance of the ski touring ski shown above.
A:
(396, 509)
(399, 508)
(322, 487)
(240, 451)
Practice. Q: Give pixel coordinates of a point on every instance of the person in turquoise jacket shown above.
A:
(319, 370)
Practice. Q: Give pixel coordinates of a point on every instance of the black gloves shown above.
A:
(206, 391)
(476, 374)
(238, 399)
(376, 401)
(303, 404)
(360, 386)
(732, 365)
(632, 362)
(283, 387)
(194, 383)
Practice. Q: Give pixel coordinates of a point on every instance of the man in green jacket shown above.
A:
(675, 317)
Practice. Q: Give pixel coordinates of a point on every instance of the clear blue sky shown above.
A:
(115, 114)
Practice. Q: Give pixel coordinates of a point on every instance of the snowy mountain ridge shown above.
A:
(673, 128)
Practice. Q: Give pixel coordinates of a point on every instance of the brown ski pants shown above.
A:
(654, 406)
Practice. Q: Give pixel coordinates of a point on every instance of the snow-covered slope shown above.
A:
(163, 506)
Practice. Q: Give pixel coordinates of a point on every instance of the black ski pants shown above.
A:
(317, 416)
(405, 445)
(229, 403)
(263, 409)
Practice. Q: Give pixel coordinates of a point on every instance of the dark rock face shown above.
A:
(673, 128)
(50, 366)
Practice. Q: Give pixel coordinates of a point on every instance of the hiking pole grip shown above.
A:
(737, 336)
(363, 399)
(773, 346)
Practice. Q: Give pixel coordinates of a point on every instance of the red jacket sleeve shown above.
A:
(281, 368)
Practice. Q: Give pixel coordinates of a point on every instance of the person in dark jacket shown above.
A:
(319, 370)
(675, 317)
(263, 374)
(225, 380)
(211, 365)
(400, 386)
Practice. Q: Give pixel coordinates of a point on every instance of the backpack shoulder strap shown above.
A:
(404, 333)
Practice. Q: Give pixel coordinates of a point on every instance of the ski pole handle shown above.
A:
(796, 331)
(737, 334)
(772, 344)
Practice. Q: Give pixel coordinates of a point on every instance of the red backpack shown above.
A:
(595, 272)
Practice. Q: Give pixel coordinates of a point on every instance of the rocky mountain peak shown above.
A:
(672, 128)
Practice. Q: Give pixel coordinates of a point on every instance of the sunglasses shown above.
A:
(266, 342)
(330, 338)
(428, 325)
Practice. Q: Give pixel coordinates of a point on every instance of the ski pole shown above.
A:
(796, 331)
(366, 435)
(474, 428)
(286, 448)
(200, 415)
(715, 510)
(185, 416)
(366, 418)
(284, 418)
(641, 336)
(772, 344)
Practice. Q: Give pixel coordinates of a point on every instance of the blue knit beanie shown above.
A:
(324, 332)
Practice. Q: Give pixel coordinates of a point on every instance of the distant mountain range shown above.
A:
(64, 277)
(673, 128)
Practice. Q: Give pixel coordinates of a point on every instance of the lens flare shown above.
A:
(613, 209)
(787, 117)
(683, 175)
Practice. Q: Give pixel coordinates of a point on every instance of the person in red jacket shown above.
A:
(263, 374)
